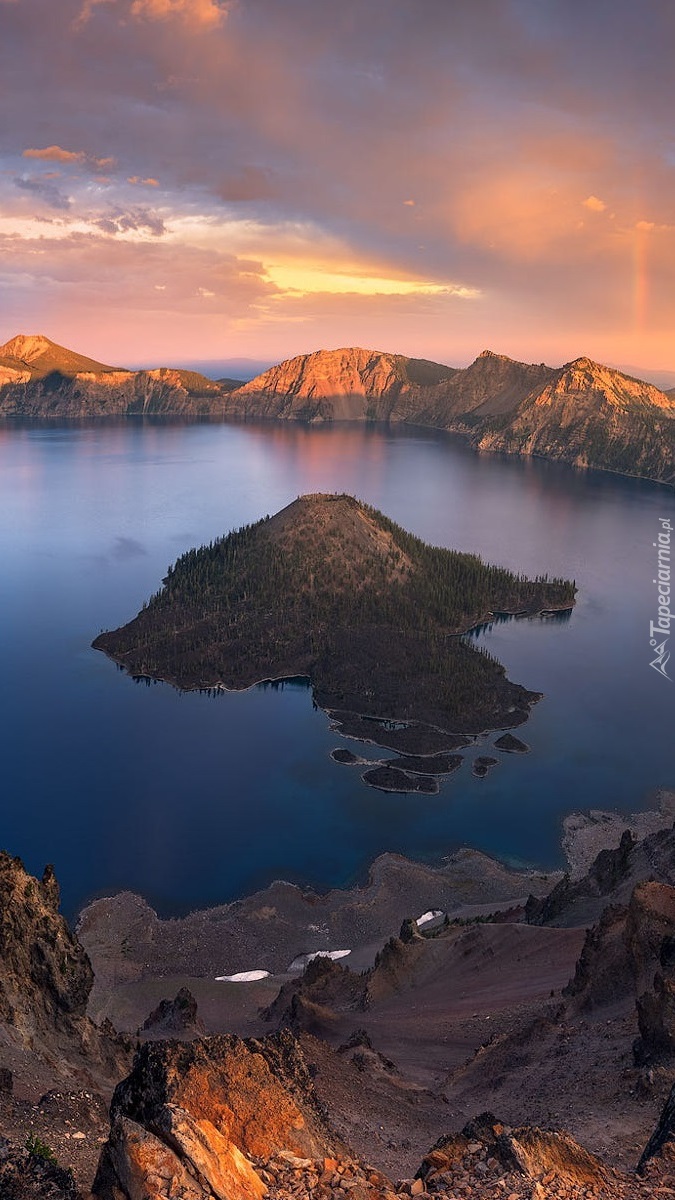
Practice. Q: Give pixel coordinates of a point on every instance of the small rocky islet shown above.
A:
(333, 590)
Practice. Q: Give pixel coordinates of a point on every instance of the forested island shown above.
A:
(333, 590)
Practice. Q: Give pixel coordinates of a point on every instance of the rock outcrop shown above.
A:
(220, 1117)
(488, 1150)
(45, 975)
(571, 899)
(46, 978)
(311, 1002)
(626, 949)
(174, 1018)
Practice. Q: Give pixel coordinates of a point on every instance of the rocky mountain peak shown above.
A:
(26, 347)
(594, 384)
(492, 354)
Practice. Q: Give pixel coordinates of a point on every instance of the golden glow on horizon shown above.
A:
(307, 279)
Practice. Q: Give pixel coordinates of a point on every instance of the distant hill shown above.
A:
(39, 378)
(333, 590)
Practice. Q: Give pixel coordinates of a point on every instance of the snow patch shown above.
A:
(243, 977)
(432, 915)
(301, 961)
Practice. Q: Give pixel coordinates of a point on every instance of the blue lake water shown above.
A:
(193, 801)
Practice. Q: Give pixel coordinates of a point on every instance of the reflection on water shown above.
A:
(192, 802)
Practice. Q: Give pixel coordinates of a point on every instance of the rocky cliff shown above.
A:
(338, 385)
(45, 981)
(583, 413)
(55, 1063)
(590, 415)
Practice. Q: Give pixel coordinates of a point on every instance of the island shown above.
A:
(333, 590)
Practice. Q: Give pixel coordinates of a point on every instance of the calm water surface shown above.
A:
(192, 801)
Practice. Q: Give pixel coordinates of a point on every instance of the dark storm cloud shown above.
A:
(45, 190)
(139, 219)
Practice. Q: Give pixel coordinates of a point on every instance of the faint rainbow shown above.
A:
(640, 278)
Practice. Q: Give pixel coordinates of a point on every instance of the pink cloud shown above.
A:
(80, 157)
(206, 14)
(57, 154)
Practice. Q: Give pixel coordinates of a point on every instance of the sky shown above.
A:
(195, 180)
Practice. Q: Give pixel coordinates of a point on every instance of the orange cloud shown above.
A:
(86, 12)
(57, 154)
(203, 13)
(594, 203)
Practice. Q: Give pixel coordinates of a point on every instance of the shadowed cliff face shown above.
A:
(45, 981)
(45, 975)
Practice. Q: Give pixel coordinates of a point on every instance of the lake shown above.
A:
(192, 800)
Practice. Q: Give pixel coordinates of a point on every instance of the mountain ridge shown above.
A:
(582, 413)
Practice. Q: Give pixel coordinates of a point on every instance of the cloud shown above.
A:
(79, 157)
(594, 204)
(250, 183)
(312, 127)
(46, 191)
(205, 14)
(309, 279)
(126, 548)
(140, 220)
(57, 154)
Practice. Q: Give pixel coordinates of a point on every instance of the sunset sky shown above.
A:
(191, 180)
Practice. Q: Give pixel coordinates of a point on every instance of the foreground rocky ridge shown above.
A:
(561, 1038)
(582, 413)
